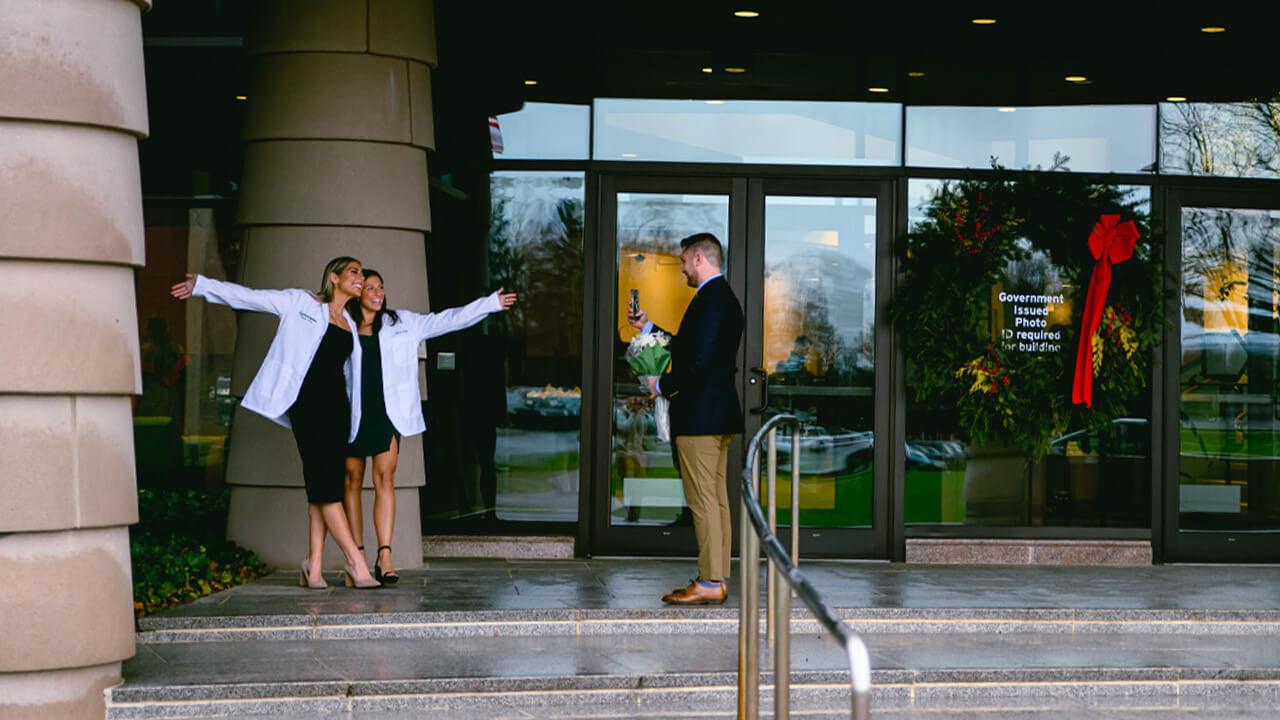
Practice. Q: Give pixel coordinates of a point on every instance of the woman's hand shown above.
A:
(183, 290)
(507, 299)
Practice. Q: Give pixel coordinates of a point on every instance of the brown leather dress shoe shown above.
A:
(696, 594)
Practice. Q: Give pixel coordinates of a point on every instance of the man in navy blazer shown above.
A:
(705, 412)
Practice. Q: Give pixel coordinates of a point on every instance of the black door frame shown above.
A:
(746, 194)
(1193, 546)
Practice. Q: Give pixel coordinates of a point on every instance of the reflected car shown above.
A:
(827, 452)
(534, 405)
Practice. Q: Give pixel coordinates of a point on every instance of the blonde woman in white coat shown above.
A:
(391, 406)
(309, 382)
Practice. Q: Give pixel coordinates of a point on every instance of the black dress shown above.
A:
(321, 419)
(376, 430)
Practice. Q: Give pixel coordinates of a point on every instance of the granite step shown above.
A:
(658, 676)
(701, 620)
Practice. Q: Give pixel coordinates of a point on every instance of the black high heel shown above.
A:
(385, 578)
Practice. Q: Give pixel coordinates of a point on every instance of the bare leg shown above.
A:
(336, 522)
(315, 541)
(384, 501)
(351, 500)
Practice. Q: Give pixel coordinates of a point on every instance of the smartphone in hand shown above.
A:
(634, 308)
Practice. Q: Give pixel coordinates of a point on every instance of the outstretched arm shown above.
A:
(232, 295)
(446, 321)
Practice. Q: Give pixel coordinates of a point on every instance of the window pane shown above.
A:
(544, 131)
(1009, 366)
(1119, 138)
(748, 131)
(1229, 466)
(182, 419)
(1224, 139)
(645, 485)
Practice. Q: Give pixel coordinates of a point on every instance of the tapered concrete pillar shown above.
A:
(72, 107)
(337, 128)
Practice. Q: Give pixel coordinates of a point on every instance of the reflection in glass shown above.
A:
(1113, 138)
(182, 419)
(748, 131)
(645, 487)
(529, 456)
(1222, 139)
(1088, 477)
(1229, 465)
(544, 131)
(819, 322)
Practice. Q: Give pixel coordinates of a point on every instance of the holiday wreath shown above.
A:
(999, 283)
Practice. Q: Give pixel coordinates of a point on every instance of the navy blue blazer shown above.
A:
(704, 360)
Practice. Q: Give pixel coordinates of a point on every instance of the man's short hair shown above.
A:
(705, 243)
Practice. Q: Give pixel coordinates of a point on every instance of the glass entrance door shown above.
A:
(1225, 505)
(803, 259)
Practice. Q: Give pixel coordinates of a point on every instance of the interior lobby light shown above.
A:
(241, 97)
(915, 73)
(707, 70)
(1213, 29)
(1075, 78)
(715, 102)
(1176, 98)
(735, 69)
(1006, 109)
(628, 154)
(530, 82)
(746, 13)
(983, 21)
(878, 89)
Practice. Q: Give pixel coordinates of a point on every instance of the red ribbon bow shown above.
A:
(1110, 242)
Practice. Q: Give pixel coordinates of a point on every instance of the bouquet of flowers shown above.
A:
(648, 356)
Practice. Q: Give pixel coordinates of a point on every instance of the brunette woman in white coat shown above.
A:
(309, 382)
(391, 406)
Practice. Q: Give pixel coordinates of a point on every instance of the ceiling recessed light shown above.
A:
(746, 13)
(983, 21)
(915, 73)
(530, 82)
(1213, 29)
(707, 70)
(241, 97)
(1176, 98)
(628, 154)
(735, 70)
(1075, 78)
(1006, 109)
(878, 89)
(715, 102)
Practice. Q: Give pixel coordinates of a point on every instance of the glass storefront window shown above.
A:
(182, 419)
(748, 131)
(535, 249)
(1091, 474)
(544, 131)
(1229, 429)
(1116, 138)
(1222, 139)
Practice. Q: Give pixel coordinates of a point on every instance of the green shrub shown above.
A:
(180, 551)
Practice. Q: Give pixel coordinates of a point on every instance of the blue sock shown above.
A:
(709, 583)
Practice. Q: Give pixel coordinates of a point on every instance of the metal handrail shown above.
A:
(782, 567)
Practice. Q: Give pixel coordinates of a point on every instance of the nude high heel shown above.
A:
(304, 578)
(360, 584)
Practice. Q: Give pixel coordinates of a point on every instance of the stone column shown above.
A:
(72, 107)
(337, 128)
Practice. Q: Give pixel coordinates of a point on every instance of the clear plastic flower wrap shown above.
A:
(648, 356)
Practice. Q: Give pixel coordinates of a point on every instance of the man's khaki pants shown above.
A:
(703, 463)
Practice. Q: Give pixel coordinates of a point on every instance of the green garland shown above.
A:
(975, 236)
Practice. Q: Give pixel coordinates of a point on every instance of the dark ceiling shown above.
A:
(1131, 52)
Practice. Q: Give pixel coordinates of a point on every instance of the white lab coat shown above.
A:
(398, 344)
(303, 322)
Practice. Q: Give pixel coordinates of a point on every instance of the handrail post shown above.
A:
(795, 497)
(749, 609)
(771, 612)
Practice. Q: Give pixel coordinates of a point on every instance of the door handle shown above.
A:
(763, 380)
